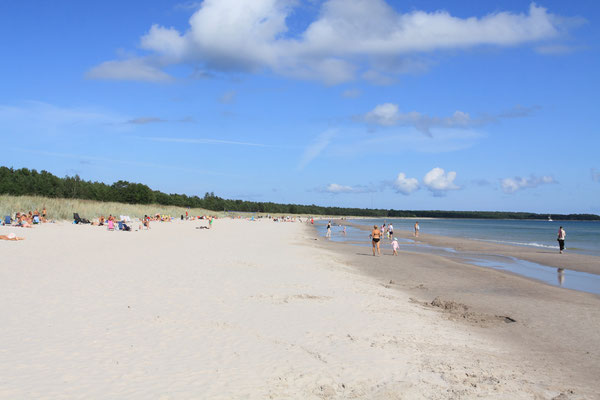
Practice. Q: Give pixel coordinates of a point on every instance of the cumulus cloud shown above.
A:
(389, 114)
(348, 39)
(335, 188)
(511, 185)
(405, 185)
(439, 182)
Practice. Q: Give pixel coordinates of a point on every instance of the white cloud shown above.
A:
(511, 185)
(316, 148)
(134, 69)
(439, 182)
(388, 114)
(335, 188)
(349, 38)
(405, 185)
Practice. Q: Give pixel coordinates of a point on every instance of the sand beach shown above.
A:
(263, 309)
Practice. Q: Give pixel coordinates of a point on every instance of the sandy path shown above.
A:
(248, 310)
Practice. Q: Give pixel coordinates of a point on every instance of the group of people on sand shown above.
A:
(111, 221)
(23, 220)
(377, 234)
(26, 220)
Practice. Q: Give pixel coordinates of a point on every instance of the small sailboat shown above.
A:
(549, 218)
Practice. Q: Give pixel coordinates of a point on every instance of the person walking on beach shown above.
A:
(328, 234)
(417, 229)
(395, 246)
(561, 239)
(390, 231)
(375, 238)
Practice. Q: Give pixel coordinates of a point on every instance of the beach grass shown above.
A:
(63, 209)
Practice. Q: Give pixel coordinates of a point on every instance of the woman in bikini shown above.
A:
(375, 238)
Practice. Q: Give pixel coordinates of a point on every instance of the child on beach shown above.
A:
(395, 246)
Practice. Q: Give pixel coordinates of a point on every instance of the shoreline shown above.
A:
(569, 260)
(554, 329)
(258, 309)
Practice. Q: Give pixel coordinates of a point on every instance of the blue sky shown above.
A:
(359, 103)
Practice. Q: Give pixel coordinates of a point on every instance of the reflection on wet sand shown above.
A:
(561, 276)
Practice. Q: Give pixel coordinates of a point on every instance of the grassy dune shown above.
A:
(63, 209)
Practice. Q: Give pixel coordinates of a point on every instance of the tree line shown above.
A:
(23, 181)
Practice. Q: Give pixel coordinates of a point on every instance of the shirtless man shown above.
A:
(375, 238)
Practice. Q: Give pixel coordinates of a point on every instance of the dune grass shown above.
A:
(63, 209)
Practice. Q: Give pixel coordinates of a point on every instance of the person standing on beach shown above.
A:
(390, 231)
(375, 238)
(328, 234)
(417, 229)
(561, 239)
(395, 246)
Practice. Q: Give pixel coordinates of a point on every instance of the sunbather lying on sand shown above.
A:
(11, 236)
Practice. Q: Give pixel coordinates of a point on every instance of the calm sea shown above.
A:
(582, 236)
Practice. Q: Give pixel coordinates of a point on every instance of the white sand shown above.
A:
(246, 310)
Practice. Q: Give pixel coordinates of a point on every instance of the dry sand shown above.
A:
(259, 310)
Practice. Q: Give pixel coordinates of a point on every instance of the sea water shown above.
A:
(582, 237)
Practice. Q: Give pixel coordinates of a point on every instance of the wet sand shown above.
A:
(556, 330)
(567, 260)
